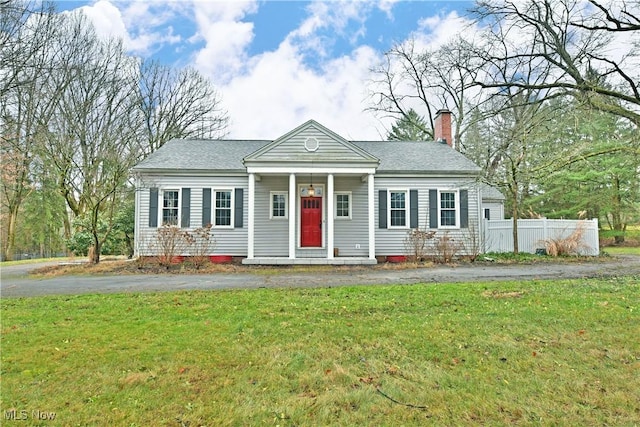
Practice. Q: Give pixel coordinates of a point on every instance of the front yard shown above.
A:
(539, 352)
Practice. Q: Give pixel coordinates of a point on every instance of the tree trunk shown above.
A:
(516, 215)
(11, 234)
(616, 214)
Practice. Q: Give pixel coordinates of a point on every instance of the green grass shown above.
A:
(621, 250)
(530, 353)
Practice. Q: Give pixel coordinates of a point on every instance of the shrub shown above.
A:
(446, 248)
(416, 243)
(201, 243)
(573, 244)
(171, 242)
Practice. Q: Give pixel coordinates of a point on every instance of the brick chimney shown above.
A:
(442, 127)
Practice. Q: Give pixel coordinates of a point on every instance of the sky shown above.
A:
(277, 64)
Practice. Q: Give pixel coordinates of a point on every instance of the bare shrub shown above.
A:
(415, 243)
(171, 242)
(573, 244)
(446, 248)
(201, 243)
(472, 243)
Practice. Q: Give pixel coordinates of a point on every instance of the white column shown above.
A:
(330, 216)
(292, 215)
(252, 209)
(372, 217)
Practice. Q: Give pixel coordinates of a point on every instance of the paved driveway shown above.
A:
(15, 281)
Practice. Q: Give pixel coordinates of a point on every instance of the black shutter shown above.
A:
(237, 221)
(433, 208)
(153, 207)
(464, 209)
(413, 209)
(186, 208)
(382, 208)
(206, 206)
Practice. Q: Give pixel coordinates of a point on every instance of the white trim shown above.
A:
(251, 216)
(311, 144)
(138, 215)
(456, 200)
(407, 208)
(161, 192)
(320, 192)
(372, 216)
(286, 205)
(307, 170)
(214, 191)
(292, 216)
(335, 210)
(329, 216)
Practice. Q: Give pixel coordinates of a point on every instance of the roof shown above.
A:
(192, 154)
(417, 156)
(231, 155)
(490, 192)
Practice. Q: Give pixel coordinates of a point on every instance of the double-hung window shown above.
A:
(278, 205)
(448, 208)
(170, 202)
(343, 205)
(398, 206)
(223, 208)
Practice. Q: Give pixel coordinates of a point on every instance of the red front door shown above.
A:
(311, 220)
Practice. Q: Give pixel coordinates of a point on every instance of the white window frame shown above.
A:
(214, 208)
(286, 205)
(407, 208)
(335, 204)
(162, 208)
(456, 209)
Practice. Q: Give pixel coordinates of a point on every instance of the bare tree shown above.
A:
(91, 138)
(426, 80)
(574, 44)
(27, 33)
(176, 104)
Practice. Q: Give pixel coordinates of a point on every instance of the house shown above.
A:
(492, 203)
(310, 196)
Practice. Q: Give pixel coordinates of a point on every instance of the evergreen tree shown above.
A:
(410, 127)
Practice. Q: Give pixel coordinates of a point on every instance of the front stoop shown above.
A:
(309, 261)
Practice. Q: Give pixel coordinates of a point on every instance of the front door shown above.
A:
(311, 220)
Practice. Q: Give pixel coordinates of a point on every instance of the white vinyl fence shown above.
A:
(532, 233)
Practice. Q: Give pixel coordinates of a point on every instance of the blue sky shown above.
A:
(277, 64)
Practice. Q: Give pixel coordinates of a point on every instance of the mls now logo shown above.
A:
(15, 415)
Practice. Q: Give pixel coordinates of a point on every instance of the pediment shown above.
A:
(311, 143)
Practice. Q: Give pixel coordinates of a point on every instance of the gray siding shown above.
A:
(228, 241)
(329, 149)
(391, 241)
(354, 231)
(271, 236)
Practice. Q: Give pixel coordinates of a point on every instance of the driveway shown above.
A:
(15, 281)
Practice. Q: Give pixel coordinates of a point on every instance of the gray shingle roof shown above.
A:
(190, 154)
(421, 156)
(227, 155)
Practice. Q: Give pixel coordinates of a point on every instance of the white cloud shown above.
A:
(269, 94)
(225, 36)
(143, 18)
(281, 92)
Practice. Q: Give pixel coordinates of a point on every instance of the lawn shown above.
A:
(529, 353)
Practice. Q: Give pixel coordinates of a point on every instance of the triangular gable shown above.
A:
(311, 142)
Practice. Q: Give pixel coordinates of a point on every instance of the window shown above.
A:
(487, 214)
(278, 206)
(448, 209)
(398, 208)
(223, 208)
(170, 207)
(343, 205)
